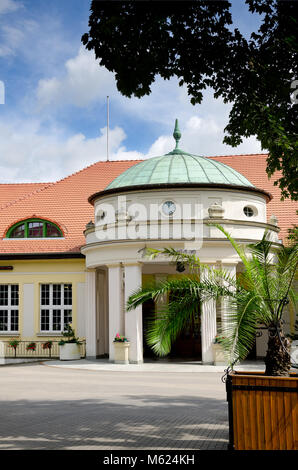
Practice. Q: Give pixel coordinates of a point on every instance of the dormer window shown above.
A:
(34, 228)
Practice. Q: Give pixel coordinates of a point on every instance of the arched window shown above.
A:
(34, 228)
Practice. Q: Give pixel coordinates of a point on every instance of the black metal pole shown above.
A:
(230, 412)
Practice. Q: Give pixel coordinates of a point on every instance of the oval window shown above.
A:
(248, 211)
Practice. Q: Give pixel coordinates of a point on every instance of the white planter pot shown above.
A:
(218, 355)
(70, 352)
(121, 352)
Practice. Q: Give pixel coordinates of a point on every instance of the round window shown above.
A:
(248, 211)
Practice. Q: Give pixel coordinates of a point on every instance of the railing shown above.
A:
(21, 351)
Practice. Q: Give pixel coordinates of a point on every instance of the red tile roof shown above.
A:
(65, 202)
(13, 192)
(253, 167)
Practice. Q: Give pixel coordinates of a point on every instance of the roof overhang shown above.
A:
(29, 256)
(144, 187)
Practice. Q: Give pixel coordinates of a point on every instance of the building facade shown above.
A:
(73, 251)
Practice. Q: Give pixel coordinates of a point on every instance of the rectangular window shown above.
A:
(55, 307)
(9, 308)
(35, 230)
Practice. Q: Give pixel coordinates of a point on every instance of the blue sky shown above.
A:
(53, 121)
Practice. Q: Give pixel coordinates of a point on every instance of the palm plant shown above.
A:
(256, 297)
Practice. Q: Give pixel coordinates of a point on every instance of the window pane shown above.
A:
(67, 294)
(52, 231)
(35, 229)
(18, 232)
(3, 295)
(45, 294)
(14, 320)
(14, 296)
(56, 320)
(45, 320)
(67, 317)
(3, 320)
(57, 294)
(248, 211)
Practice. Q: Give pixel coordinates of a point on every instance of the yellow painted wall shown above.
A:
(148, 279)
(38, 272)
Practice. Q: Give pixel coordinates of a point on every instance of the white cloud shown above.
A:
(202, 137)
(30, 155)
(83, 83)
(10, 35)
(35, 37)
(12, 38)
(8, 6)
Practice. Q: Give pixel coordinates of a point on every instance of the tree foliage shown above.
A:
(195, 41)
(293, 234)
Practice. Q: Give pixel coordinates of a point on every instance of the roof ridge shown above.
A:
(52, 183)
(237, 155)
(91, 165)
(22, 184)
(26, 196)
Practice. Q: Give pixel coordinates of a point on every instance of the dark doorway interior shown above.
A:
(148, 314)
(252, 355)
(188, 345)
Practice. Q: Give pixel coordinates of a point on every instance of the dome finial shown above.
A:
(177, 133)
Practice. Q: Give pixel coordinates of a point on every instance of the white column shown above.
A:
(116, 308)
(28, 310)
(208, 326)
(91, 314)
(81, 309)
(231, 269)
(133, 319)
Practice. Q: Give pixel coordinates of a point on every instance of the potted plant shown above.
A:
(219, 355)
(31, 347)
(69, 347)
(121, 349)
(48, 345)
(263, 407)
(14, 344)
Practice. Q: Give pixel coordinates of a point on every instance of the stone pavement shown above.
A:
(44, 407)
(153, 366)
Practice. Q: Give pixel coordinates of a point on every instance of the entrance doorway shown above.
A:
(188, 345)
(148, 315)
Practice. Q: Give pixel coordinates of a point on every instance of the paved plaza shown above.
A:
(47, 407)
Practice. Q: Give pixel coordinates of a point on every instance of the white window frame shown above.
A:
(51, 307)
(9, 308)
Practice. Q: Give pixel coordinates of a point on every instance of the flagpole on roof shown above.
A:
(108, 125)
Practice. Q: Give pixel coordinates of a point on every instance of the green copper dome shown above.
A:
(179, 167)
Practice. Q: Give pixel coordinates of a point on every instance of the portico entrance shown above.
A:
(188, 345)
(169, 201)
(108, 289)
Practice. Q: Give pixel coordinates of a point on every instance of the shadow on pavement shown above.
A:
(144, 422)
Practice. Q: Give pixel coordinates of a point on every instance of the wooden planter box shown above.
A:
(263, 411)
